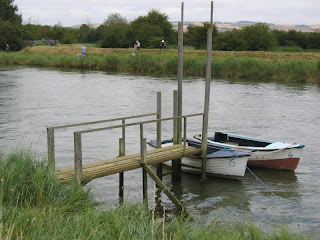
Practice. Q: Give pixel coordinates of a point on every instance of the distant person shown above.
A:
(134, 49)
(7, 48)
(162, 45)
(138, 45)
(83, 51)
(51, 42)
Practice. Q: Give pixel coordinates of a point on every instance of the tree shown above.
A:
(151, 29)
(258, 37)
(295, 38)
(8, 12)
(281, 36)
(113, 32)
(84, 34)
(314, 40)
(230, 41)
(196, 36)
(10, 25)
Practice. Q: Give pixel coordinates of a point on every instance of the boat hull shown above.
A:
(230, 167)
(220, 163)
(282, 159)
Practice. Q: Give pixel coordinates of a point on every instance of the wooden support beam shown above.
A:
(159, 166)
(121, 175)
(160, 184)
(78, 156)
(50, 145)
(143, 146)
(184, 135)
(176, 168)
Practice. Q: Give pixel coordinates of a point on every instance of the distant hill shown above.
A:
(229, 26)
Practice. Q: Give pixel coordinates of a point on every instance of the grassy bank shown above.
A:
(255, 66)
(35, 205)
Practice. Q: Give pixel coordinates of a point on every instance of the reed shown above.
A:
(35, 205)
(254, 66)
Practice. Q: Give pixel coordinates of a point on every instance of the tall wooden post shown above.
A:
(121, 175)
(50, 145)
(206, 100)
(78, 156)
(143, 147)
(159, 166)
(180, 72)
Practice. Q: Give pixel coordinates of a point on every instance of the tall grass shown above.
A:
(35, 205)
(283, 67)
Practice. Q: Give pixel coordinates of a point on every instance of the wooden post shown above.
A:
(121, 175)
(159, 166)
(206, 101)
(50, 145)
(175, 162)
(78, 156)
(184, 135)
(124, 135)
(143, 147)
(180, 72)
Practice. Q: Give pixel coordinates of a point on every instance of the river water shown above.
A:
(31, 99)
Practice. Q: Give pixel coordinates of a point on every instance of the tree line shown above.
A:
(149, 30)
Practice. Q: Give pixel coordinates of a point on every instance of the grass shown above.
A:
(35, 205)
(287, 67)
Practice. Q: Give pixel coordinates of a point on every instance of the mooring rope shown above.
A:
(266, 187)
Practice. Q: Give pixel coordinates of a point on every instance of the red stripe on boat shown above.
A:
(284, 164)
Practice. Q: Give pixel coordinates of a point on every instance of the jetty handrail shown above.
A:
(102, 121)
(50, 132)
(138, 123)
(78, 141)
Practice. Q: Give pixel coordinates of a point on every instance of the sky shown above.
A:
(74, 12)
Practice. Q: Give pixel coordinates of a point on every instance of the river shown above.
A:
(31, 99)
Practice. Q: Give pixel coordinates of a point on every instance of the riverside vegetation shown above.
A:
(302, 67)
(35, 205)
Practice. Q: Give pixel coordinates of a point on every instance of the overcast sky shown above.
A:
(73, 12)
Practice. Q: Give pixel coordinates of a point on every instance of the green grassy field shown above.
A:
(35, 205)
(253, 66)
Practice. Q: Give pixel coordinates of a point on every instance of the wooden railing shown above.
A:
(78, 134)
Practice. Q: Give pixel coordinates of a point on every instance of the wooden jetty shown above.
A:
(143, 159)
(121, 163)
(126, 163)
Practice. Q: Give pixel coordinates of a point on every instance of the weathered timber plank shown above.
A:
(126, 163)
(118, 159)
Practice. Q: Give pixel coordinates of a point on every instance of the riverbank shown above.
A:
(254, 66)
(35, 205)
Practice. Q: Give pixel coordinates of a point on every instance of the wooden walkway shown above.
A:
(125, 163)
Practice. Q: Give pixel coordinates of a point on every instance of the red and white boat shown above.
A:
(264, 153)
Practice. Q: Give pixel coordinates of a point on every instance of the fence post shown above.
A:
(121, 175)
(143, 148)
(78, 156)
(50, 145)
(159, 165)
